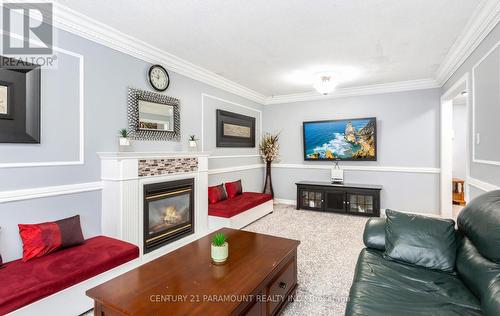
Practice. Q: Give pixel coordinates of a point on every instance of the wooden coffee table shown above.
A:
(259, 278)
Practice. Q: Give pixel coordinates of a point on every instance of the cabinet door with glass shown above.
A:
(335, 201)
(362, 202)
(311, 199)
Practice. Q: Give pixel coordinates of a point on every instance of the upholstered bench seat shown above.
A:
(239, 204)
(239, 211)
(26, 282)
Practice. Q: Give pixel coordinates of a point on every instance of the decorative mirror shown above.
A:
(153, 116)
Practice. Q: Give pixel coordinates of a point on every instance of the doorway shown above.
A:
(455, 121)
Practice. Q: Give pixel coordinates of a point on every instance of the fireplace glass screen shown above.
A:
(168, 212)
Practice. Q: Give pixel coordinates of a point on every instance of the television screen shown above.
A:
(354, 139)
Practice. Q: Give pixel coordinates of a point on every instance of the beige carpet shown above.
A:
(330, 244)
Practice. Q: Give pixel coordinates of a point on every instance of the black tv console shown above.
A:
(347, 198)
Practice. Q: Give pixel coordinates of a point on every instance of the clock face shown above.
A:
(158, 77)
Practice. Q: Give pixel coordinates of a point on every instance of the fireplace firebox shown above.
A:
(168, 212)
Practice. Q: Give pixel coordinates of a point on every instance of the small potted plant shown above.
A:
(192, 142)
(220, 248)
(124, 137)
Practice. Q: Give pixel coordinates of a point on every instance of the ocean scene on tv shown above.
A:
(342, 139)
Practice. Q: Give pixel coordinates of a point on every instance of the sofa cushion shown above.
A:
(44, 238)
(475, 270)
(231, 207)
(233, 189)
(374, 233)
(216, 193)
(385, 287)
(420, 240)
(26, 282)
(480, 222)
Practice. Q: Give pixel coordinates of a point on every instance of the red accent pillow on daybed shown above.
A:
(44, 238)
(216, 193)
(233, 189)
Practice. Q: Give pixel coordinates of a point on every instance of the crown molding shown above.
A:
(79, 24)
(355, 91)
(483, 20)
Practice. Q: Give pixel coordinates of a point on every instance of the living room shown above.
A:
(250, 157)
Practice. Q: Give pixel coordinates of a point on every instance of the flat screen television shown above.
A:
(349, 140)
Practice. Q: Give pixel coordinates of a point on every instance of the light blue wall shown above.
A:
(487, 118)
(408, 136)
(107, 75)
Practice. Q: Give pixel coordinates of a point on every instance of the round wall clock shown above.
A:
(158, 78)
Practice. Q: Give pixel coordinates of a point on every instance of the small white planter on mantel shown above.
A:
(220, 253)
(124, 141)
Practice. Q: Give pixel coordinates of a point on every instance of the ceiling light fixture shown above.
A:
(325, 84)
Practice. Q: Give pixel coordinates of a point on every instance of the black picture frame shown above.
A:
(21, 123)
(224, 140)
(374, 119)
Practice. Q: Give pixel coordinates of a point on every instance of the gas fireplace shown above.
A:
(168, 212)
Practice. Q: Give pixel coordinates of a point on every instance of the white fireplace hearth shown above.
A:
(124, 175)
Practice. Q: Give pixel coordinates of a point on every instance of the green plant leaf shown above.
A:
(219, 239)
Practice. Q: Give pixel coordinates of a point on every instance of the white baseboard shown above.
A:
(285, 201)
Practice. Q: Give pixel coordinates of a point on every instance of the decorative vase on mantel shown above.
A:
(192, 143)
(123, 138)
(269, 150)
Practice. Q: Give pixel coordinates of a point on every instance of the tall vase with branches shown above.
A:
(269, 151)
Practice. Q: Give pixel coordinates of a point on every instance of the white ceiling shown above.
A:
(271, 46)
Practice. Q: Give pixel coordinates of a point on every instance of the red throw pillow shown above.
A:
(233, 189)
(44, 238)
(216, 193)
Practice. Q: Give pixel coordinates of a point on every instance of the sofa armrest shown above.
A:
(374, 234)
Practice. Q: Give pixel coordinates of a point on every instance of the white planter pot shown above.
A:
(192, 143)
(220, 254)
(124, 141)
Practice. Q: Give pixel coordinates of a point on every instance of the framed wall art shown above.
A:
(235, 130)
(19, 102)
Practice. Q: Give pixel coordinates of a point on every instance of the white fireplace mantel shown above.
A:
(123, 178)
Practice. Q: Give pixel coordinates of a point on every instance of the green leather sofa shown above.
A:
(384, 286)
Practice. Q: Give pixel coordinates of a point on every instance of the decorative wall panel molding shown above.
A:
(474, 107)
(42, 192)
(235, 169)
(485, 186)
(81, 120)
(361, 168)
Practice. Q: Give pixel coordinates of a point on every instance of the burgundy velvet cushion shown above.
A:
(233, 189)
(216, 193)
(26, 282)
(44, 238)
(243, 202)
